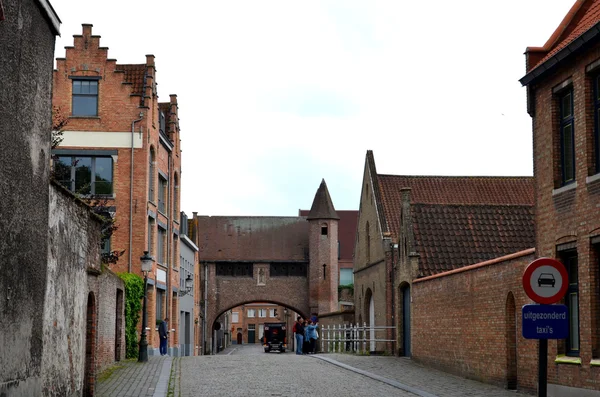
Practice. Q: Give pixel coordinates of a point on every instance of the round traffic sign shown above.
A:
(545, 280)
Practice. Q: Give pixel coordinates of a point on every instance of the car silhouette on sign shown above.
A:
(546, 279)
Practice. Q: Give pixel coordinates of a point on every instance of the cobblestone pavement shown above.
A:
(409, 373)
(248, 371)
(132, 379)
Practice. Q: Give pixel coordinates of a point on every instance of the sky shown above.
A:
(276, 95)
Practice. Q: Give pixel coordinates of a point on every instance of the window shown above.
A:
(569, 259)
(235, 317)
(151, 229)
(368, 242)
(160, 294)
(176, 198)
(251, 313)
(324, 230)
(161, 252)
(85, 98)
(85, 175)
(346, 276)
(162, 194)
(151, 174)
(234, 269)
(287, 270)
(262, 313)
(272, 313)
(567, 140)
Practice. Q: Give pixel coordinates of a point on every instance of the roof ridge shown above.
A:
(460, 176)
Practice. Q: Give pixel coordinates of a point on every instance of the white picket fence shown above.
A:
(352, 338)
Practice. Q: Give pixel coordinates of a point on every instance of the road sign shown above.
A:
(545, 280)
(545, 322)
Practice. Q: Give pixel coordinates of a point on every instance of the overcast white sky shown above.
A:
(275, 95)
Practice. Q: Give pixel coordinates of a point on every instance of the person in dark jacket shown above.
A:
(299, 330)
(163, 333)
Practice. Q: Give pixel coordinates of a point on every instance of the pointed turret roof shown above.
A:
(322, 206)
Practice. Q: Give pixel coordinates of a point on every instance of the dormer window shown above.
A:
(324, 230)
(162, 122)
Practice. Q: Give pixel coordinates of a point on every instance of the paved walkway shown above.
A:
(132, 379)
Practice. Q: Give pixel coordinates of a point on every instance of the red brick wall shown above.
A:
(459, 322)
(571, 215)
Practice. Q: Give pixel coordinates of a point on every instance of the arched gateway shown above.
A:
(291, 261)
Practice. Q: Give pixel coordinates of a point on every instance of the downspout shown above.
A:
(394, 322)
(205, 308)
(169, 241)
(131, 190)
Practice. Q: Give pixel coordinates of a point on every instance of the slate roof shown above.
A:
(451, 190)
(346, 231)
(448, 237)
(134, 74)
(322, 206)
(247, 238)
(582, 17)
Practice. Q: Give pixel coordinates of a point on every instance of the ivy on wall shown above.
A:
(134, 292)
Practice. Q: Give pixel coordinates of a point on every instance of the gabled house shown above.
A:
(412, 227)
(121, 147)
(563, 87)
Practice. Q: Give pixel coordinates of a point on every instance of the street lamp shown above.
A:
(188, 286)
(146, 268)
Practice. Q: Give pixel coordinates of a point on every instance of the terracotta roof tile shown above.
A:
(465, 190)
(240, 238)
(134, 74)
(585, 14)
(448, 237)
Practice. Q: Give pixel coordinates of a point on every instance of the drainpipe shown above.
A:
(131, 190)
(169, 241)
(394, 330)
(205, 308)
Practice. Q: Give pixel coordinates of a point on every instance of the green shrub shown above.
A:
(134, 292)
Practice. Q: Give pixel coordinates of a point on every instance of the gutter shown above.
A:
(131, 190)
(579, 43)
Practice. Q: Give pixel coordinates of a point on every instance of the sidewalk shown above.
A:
(130, 378)
(405, 374)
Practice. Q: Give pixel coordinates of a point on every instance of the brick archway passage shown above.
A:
(249, 284)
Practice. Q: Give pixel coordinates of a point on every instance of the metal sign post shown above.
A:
(545, 281)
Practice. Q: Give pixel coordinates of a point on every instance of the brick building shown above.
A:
(411, 227)
(121, 145)
(563, 86)
(248, 321)
(287, 261)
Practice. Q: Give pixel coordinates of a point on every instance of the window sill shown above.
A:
(85, 117)
(595, 362)
(563, 359)
(593, 178)
(566, 188)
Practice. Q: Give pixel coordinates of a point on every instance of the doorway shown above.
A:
(511, 343)
(239, 338)
(89, 379)
(372, 324)
(406, 321)
(119, 325)
(251, 333)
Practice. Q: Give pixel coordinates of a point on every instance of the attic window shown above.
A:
(324, 230)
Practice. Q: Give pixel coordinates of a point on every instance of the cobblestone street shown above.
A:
(247, 371)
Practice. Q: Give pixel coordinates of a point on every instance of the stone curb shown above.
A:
(387, 381)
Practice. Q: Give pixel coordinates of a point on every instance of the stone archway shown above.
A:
(89, 378)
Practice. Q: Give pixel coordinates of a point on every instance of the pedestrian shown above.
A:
(299, 331)
(311, 332)
(306, 343)
(163, 333)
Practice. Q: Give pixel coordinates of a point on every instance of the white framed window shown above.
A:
(235, 317)
(271, 312)
(251, 313)
(262, 313)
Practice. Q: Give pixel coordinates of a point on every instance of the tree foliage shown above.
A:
(134, 292)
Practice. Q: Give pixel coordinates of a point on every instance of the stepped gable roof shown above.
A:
(322, 206)
(583, 16)
(346, 231)
(451, 190)
(134, 74)
(252, 238)
(448, 237)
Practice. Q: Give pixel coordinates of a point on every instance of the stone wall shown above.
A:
(27, 47)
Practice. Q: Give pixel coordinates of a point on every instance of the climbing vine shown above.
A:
(134, 292)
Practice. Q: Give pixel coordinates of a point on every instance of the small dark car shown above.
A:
(546, 279)
(275, 337)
